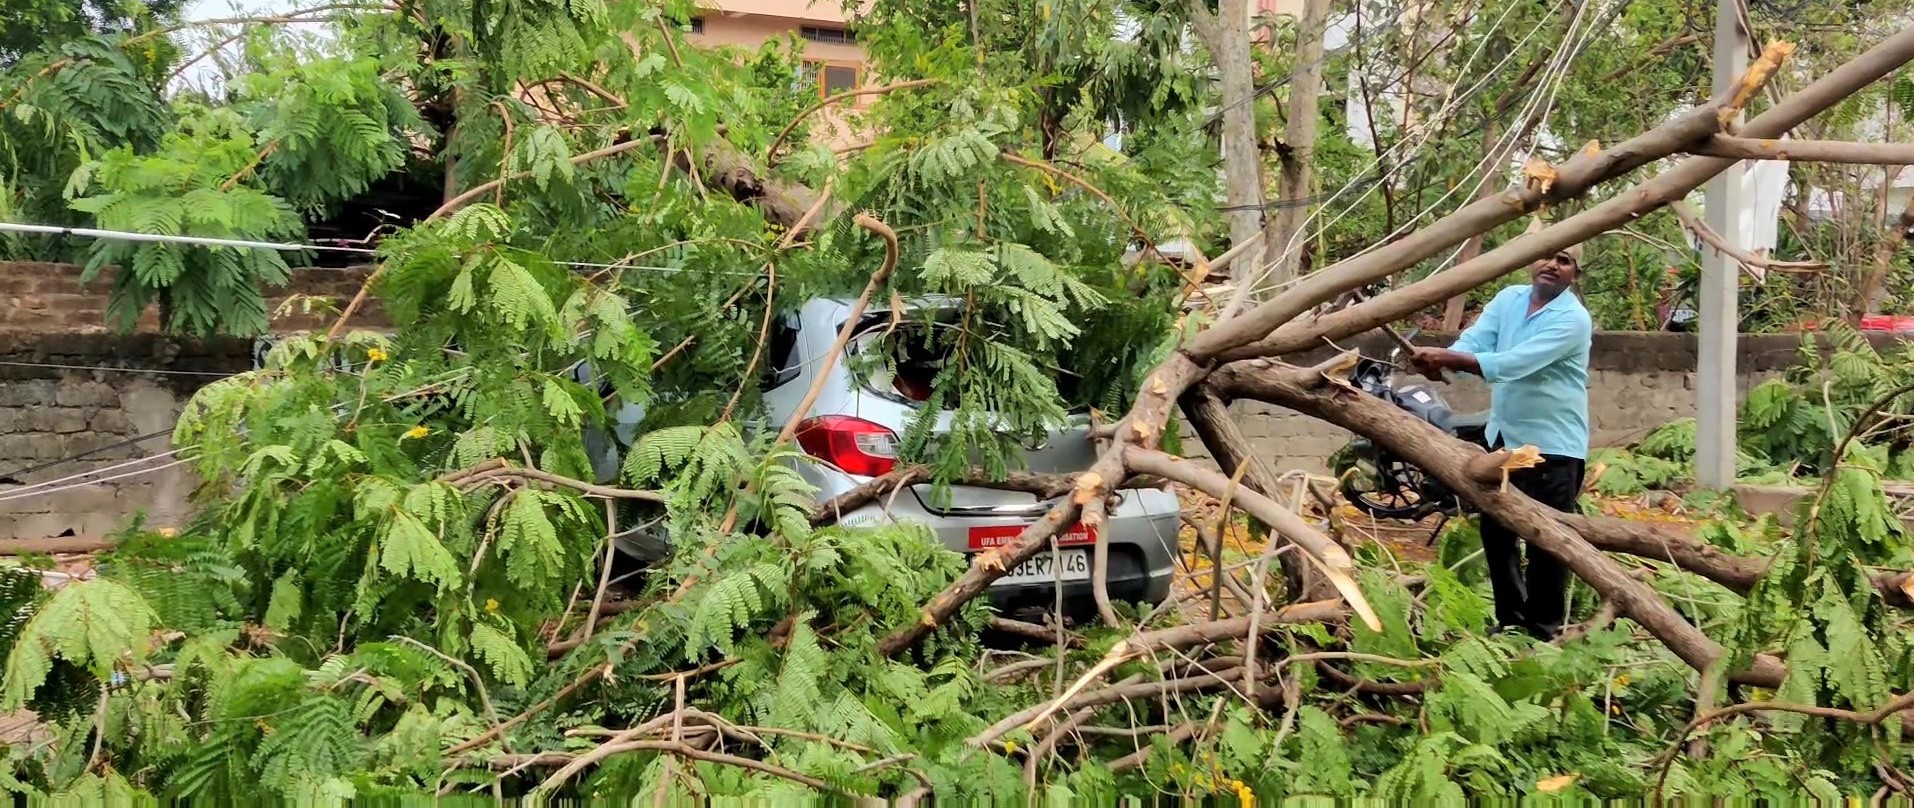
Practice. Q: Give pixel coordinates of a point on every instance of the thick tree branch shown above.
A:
(1328, 556)
(1736, 573)
(1231, 451)
(1571, 180)
(1807, 151)
(1448, 459)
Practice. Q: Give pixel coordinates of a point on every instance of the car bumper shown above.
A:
(1142, 535)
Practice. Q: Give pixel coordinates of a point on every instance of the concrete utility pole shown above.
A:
(1720, 278)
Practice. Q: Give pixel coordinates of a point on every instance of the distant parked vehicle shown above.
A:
(851, 437)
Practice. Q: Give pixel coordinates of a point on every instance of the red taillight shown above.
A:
(853, 444)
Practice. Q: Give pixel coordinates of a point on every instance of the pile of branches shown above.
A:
(362, 609)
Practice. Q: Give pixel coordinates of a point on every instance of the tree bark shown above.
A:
(1225, 34)
(1307, 391)
(1897, 234)
(728, 168)
(1284, 235)
(1808, 151)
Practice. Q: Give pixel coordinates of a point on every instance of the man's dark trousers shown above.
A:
(1537, 601)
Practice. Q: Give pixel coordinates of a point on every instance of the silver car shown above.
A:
(851, 436)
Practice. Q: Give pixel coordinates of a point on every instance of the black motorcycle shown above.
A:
(1376, 480)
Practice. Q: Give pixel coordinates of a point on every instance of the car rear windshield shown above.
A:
(901, 360)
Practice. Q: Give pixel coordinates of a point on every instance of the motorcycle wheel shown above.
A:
(1382, 485)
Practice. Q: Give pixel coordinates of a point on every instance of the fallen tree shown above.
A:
(404, 576)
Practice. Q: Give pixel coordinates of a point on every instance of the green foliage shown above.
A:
(396, 529)
(93, 624)
(326, 129)
(183, 190)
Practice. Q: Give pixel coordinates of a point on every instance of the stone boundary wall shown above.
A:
(69, 385)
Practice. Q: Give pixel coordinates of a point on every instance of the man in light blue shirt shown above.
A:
(1531, 345)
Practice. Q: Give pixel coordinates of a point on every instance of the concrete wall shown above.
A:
(70, 386)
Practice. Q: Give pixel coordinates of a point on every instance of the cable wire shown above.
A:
(138, 439)
(208, 241)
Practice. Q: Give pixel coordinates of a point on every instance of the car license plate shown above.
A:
(985, 538)
(1042, 568)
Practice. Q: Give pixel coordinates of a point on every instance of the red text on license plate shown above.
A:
(985, 538)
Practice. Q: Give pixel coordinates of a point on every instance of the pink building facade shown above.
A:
(833, 61)
(831, 55)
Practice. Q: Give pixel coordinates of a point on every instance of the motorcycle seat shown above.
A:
(1451, 421)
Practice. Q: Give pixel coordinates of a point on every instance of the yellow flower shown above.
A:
(491, 606)
(1620, 682)
(417, 432)
(1010, 747)
(376, 355)
(1245, 794)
